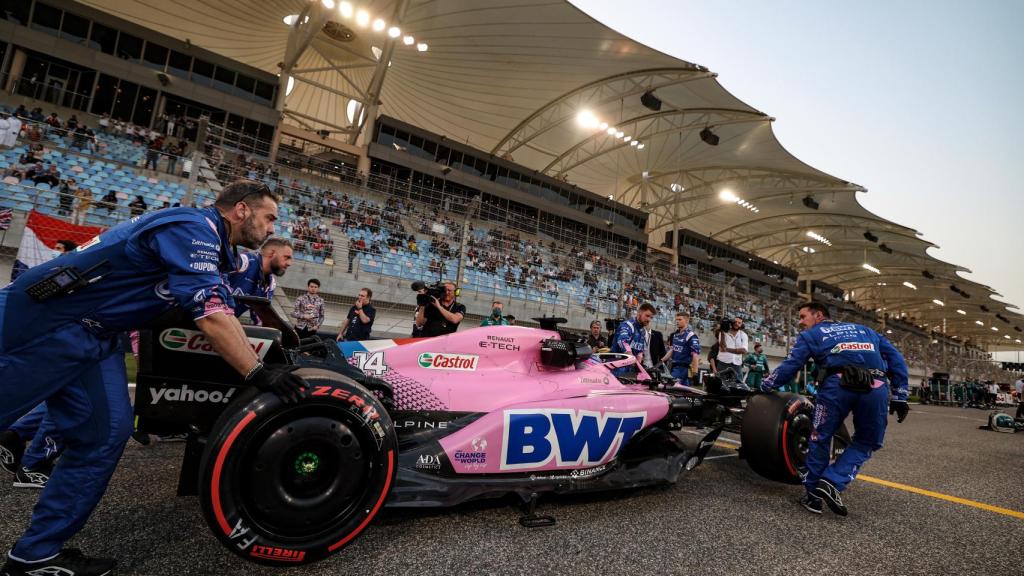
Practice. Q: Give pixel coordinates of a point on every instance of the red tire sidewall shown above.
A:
(221, 473)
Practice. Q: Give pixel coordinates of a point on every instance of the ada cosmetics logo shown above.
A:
(441, 361)
(193, 341)
(428, 462)
(186, 394)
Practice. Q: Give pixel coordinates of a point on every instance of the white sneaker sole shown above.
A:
(29, 485)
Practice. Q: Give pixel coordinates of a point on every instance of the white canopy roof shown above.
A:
(517, 79)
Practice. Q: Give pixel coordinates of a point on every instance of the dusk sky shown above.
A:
(919, 102)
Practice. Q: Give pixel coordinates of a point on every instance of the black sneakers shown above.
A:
(70, 562)
(811, 503)
(25, 478)
(11, 450)
(827, 492)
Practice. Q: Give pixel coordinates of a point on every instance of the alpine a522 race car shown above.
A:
(432, 422)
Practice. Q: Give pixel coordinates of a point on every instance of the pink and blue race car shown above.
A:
(482, 413)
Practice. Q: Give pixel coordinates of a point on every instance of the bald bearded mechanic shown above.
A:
(60, 327)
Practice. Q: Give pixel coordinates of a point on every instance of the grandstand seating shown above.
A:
(706, 299)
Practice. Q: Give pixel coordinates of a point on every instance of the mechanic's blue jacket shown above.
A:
(834, 344)
(631, 333)
(684, 345)
(173, 257)
(249, 280)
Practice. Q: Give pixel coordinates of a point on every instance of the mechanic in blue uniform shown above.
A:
(858, 367)
(256, 272)
(60, 343)
(634, 333)
(684, 350)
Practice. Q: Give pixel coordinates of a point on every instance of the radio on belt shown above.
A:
(61, 281)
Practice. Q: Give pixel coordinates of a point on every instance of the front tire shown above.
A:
(776, 435)
(288, 484)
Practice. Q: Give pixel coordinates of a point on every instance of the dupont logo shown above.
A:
(439, 361)
(853, 347)
(193, 341)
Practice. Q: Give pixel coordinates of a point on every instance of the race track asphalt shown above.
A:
(719, 519)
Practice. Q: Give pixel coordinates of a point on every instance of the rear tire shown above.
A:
(289, 484)
(776, 433)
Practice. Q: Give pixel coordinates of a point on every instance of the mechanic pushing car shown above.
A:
(60, 326)
(256, 271)
(633, 333)
(855, 363)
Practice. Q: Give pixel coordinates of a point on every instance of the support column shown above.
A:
(17, 67)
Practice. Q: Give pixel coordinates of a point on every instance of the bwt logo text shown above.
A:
(559, 438)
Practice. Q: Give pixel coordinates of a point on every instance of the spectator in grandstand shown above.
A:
(83, 201)
(359, 321)
(732, 348)
(860, 366)
(441, 316)
(595, 339)
(496, 318)
(85, 385)
(108, 202)
(137, 207)
(684, 350)
(35, 171)
(51, 177)
(104, 123)
(153, 152)
(172, 151)
(10, 135)
(71, 125)
(54, 124)
(757, 366)
(309, 310)
(66, 196)
(83, 138)
(355, 249)
(633, 334)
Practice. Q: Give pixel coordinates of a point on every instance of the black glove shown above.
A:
(900, 409)
(279, 379)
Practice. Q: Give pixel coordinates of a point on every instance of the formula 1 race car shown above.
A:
(431, 422)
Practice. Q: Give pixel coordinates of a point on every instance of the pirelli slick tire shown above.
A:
(289, 484)
(776, 434)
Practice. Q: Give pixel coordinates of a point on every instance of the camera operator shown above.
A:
(732, 347)
(442, 316)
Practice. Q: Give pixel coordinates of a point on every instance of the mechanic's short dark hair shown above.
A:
(68, 245)
(276, 242)
(313, 281)
(595, 323)
(683, 314)
(647, 307)
(815, 307)
(249, 191)
(369, 293)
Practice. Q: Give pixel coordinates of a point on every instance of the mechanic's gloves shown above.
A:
(279, 379)
(900, 409)
(767, 387)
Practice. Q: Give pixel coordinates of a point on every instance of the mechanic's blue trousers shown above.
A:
(833, 404)
(82, 379)
(38, 427)
(681, 374)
